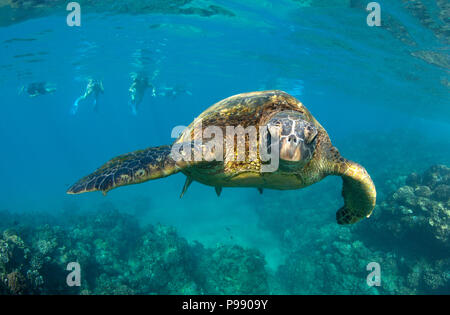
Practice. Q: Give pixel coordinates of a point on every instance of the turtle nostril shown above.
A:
(292, 138)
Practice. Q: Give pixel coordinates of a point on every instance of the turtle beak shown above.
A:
(290, 149)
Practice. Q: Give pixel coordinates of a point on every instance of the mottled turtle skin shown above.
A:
(247, 109)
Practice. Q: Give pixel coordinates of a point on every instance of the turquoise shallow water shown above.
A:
(382, 94)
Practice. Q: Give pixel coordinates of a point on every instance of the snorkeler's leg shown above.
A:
(50, 90)
(132, 102)
(95, 104)
(133, 106)
(74, 109)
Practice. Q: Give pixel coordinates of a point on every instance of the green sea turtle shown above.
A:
(282, 123)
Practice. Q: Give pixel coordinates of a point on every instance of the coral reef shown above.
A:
(19, 271)
(118, 256)
(418, 213)
(335, 263)
(408, 236)
(231, 269)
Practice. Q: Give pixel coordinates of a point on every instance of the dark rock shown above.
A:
(435, 175)
(423, 191)
(442, 193)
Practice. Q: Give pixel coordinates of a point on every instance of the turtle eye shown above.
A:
(277, 123)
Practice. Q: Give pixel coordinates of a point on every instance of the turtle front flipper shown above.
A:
(358, 191)
(131, 168)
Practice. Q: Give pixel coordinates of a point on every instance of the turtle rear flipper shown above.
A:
(358, 191)
(131, 168)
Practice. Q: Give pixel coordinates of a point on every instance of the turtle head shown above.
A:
(296, 136)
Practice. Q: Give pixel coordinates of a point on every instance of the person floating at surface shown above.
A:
(94, 87)
(137, 89)
(173, 91)
(38, 88)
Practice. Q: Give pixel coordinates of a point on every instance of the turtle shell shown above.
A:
(246, 109)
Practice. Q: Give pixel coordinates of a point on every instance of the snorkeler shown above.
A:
(173, 91)
(94, 87)
(38, 88)
(137, 90)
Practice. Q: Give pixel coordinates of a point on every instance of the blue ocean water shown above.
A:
(382, 94)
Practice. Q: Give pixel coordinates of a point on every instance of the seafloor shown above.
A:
(408, 235)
